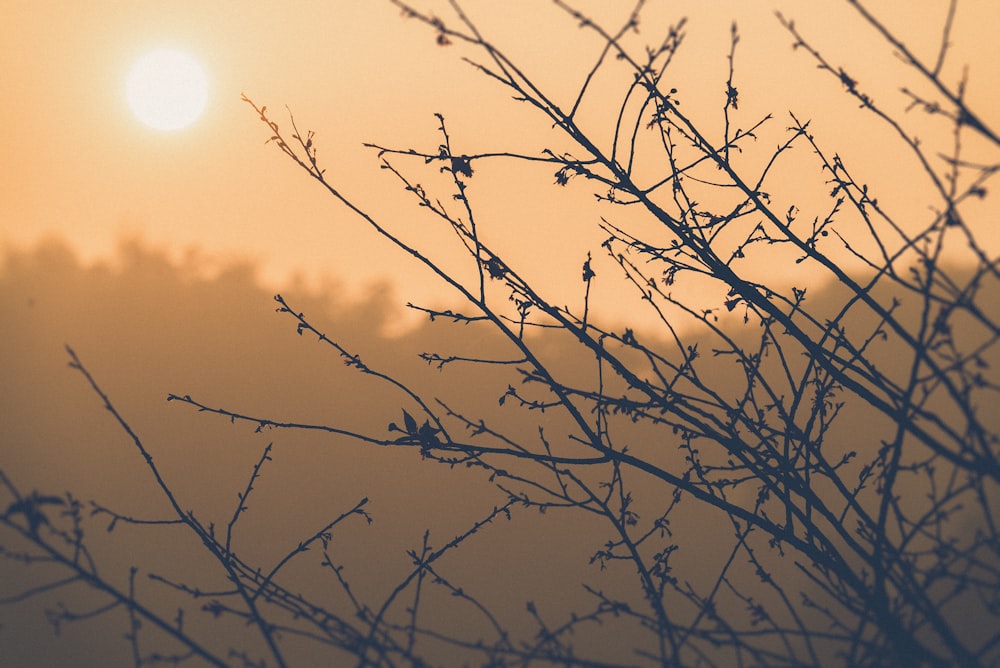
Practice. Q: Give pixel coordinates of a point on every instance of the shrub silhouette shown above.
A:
(792, 469)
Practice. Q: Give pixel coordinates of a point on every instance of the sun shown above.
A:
(167, 89)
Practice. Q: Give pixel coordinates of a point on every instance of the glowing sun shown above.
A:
(167, 89)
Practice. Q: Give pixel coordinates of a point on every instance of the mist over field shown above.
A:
(146, 326)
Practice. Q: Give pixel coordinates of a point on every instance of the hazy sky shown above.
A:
(78, 165)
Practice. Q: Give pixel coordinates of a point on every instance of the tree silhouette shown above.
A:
(780, 467)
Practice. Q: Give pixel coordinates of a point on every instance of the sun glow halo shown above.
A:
(167, 89)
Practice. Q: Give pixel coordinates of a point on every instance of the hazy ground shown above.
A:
(147, 327)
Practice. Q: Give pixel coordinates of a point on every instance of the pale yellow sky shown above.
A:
(77, 165)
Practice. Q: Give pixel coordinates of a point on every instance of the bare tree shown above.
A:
(833, 426)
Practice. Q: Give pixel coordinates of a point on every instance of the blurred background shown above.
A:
(155, 255)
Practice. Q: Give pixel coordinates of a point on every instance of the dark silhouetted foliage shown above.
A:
(790, 457)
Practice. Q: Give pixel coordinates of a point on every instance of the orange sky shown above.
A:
(76, 164)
